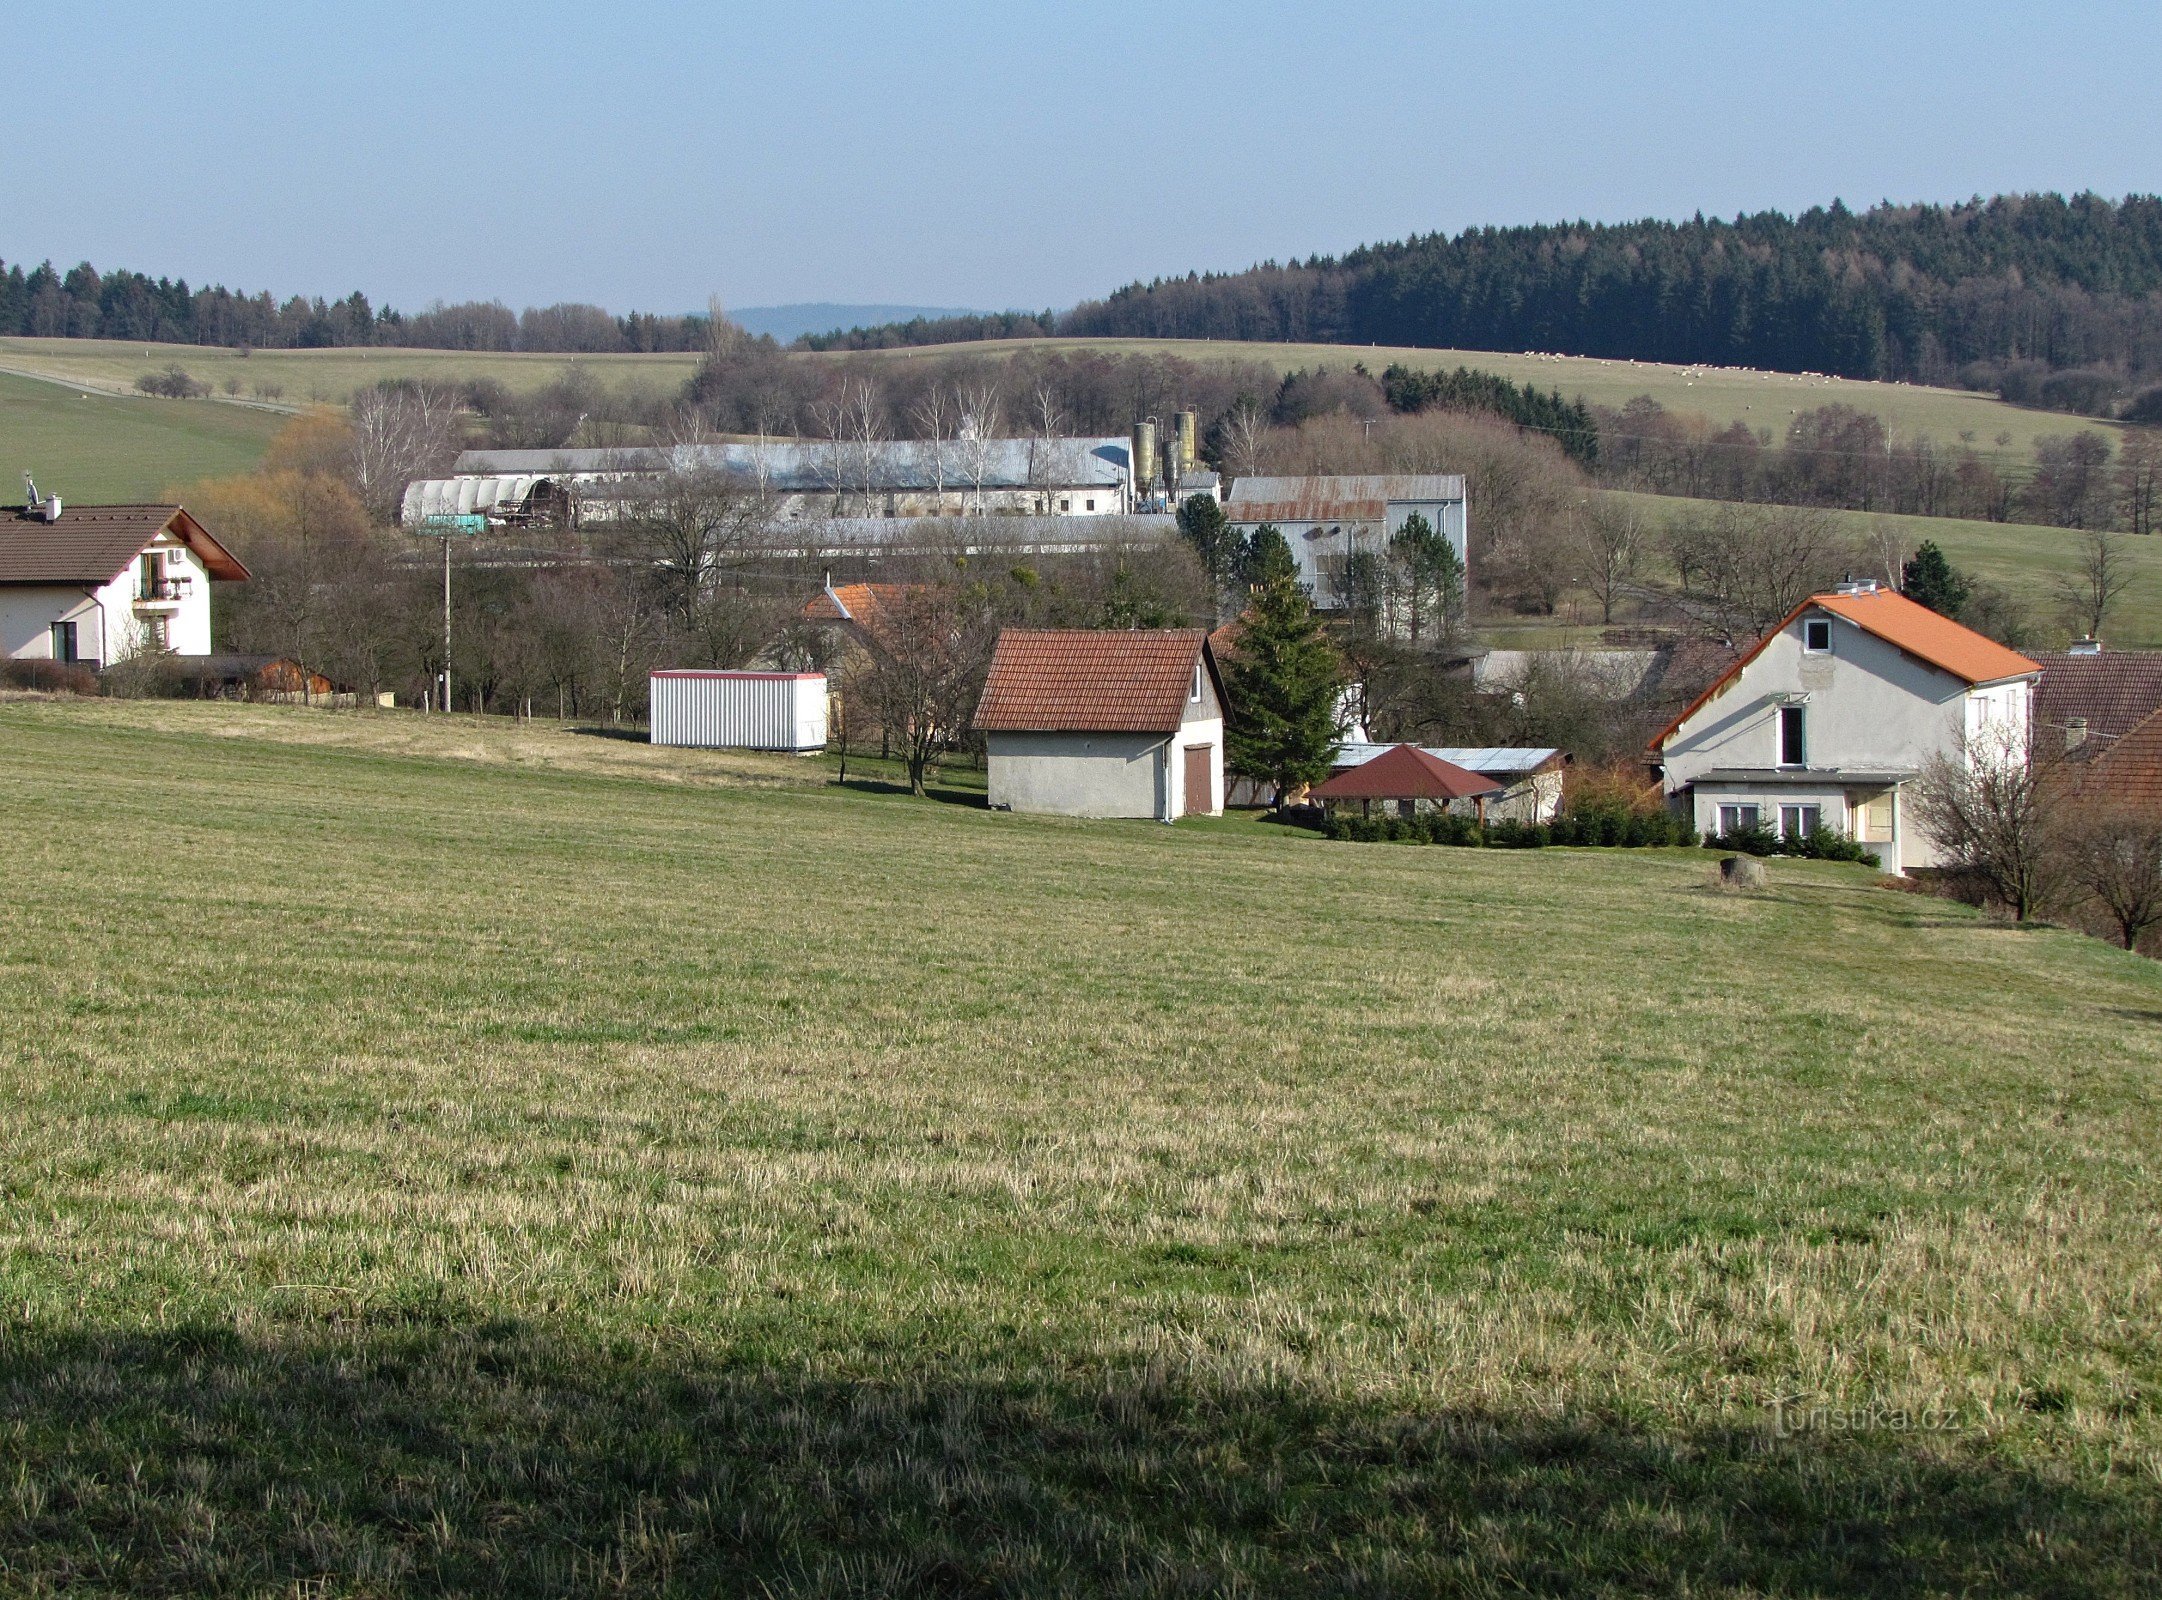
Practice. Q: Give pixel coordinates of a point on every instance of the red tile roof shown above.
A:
(857, 602)
(2131, 768)
(1892, 617)
(1406, 772)
(2112, 693)
(94, 544)
(1074, 680)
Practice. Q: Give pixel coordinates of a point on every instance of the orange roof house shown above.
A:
(1826, 720)
(1410, 777)
(1093, 723)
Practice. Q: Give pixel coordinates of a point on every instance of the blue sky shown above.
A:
(955, 153)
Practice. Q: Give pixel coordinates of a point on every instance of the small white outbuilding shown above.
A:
(1085, 723)
(783, 711)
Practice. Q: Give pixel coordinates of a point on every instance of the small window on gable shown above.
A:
(1194, 694)
(1793, 737)
(1817, 636)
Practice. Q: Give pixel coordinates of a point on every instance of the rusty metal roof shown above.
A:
(1075, 680)
(94, 544)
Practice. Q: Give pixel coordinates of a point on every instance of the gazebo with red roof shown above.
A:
(1412, 779)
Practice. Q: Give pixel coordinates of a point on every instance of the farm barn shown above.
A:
(1082, 723)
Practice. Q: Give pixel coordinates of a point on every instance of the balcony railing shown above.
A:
(164, 589)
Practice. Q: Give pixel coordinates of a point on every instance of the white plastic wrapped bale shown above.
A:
(739, 710)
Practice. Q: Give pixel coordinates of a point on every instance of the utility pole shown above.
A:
(446, 619)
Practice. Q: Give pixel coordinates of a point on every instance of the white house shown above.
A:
(1829, 718)
(95, 584)
(1326, 520)
(1084, 723)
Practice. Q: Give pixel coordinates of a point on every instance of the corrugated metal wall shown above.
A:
(739, 710)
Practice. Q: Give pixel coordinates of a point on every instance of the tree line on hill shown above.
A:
(83, 303)
(2054, 301)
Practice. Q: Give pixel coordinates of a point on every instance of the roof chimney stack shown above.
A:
(2075, 733)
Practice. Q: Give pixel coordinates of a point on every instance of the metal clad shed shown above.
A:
(783, 711)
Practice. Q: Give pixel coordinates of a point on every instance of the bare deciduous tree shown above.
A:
(1991, 813)
(2090, 591)
(399, 433)
(979, 404)
(2116, 856)
(1609, 550)
(926, 668)
(685, 523)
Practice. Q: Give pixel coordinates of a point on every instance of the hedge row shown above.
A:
(1611, 828)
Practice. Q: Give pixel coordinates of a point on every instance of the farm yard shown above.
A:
(450, 1156)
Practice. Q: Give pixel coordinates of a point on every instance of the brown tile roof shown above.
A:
(2130, 769)
(2114, 692)
(1892, 617)
(93, 544)
(1074, 680)
(1406, 772)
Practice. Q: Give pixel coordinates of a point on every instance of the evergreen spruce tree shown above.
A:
(1266, 556)
(1203, 525)
(1930, 580)
(1282, 680)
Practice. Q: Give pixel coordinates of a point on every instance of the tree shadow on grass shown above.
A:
(944, 794)
(436, 1457)
(600, 730)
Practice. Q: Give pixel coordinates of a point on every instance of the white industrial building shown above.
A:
(1100, 723)
(1830, 717)
(92, 585)
(1326, 520)
(807, 480)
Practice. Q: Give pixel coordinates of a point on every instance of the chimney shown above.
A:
(2085, 647)
(52, 508)
(2075, 733)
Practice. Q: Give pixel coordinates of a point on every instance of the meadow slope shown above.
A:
(90, 446)
(433, 1167)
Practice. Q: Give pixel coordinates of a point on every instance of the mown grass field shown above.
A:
(86, 446)
(448, 1159)
(329, 377)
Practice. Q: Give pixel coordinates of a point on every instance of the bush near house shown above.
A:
(1602, 826)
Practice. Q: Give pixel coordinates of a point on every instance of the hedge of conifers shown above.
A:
(1610, 827)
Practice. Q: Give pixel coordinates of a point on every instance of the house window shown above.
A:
(1817, 636)
(1065, 503)
(64, 648)
(1092, 505)
(1799, 822)
(1194, 695)
(1738, 819)
(1793, 737)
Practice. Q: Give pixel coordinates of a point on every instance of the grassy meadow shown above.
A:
(443, 1157)
(1725, 394)
(92, 446)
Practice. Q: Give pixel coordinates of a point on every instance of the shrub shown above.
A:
(1757, 841)
(172, 384)
(52, 677)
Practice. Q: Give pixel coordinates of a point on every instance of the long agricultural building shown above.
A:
(816, 480)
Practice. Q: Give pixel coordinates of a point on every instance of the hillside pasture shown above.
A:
(1764, 400)
(2026, 559)
(436, 1174)
(91, 446)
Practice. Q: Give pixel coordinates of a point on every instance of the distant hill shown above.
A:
(791, 322)
(2053, 301)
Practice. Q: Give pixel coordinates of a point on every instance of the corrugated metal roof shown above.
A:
(1493, 760)
(1072, 680)
(465, 496)
(1242, 512)
(1424, 486)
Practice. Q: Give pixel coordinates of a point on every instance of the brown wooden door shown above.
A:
(1200, 780)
